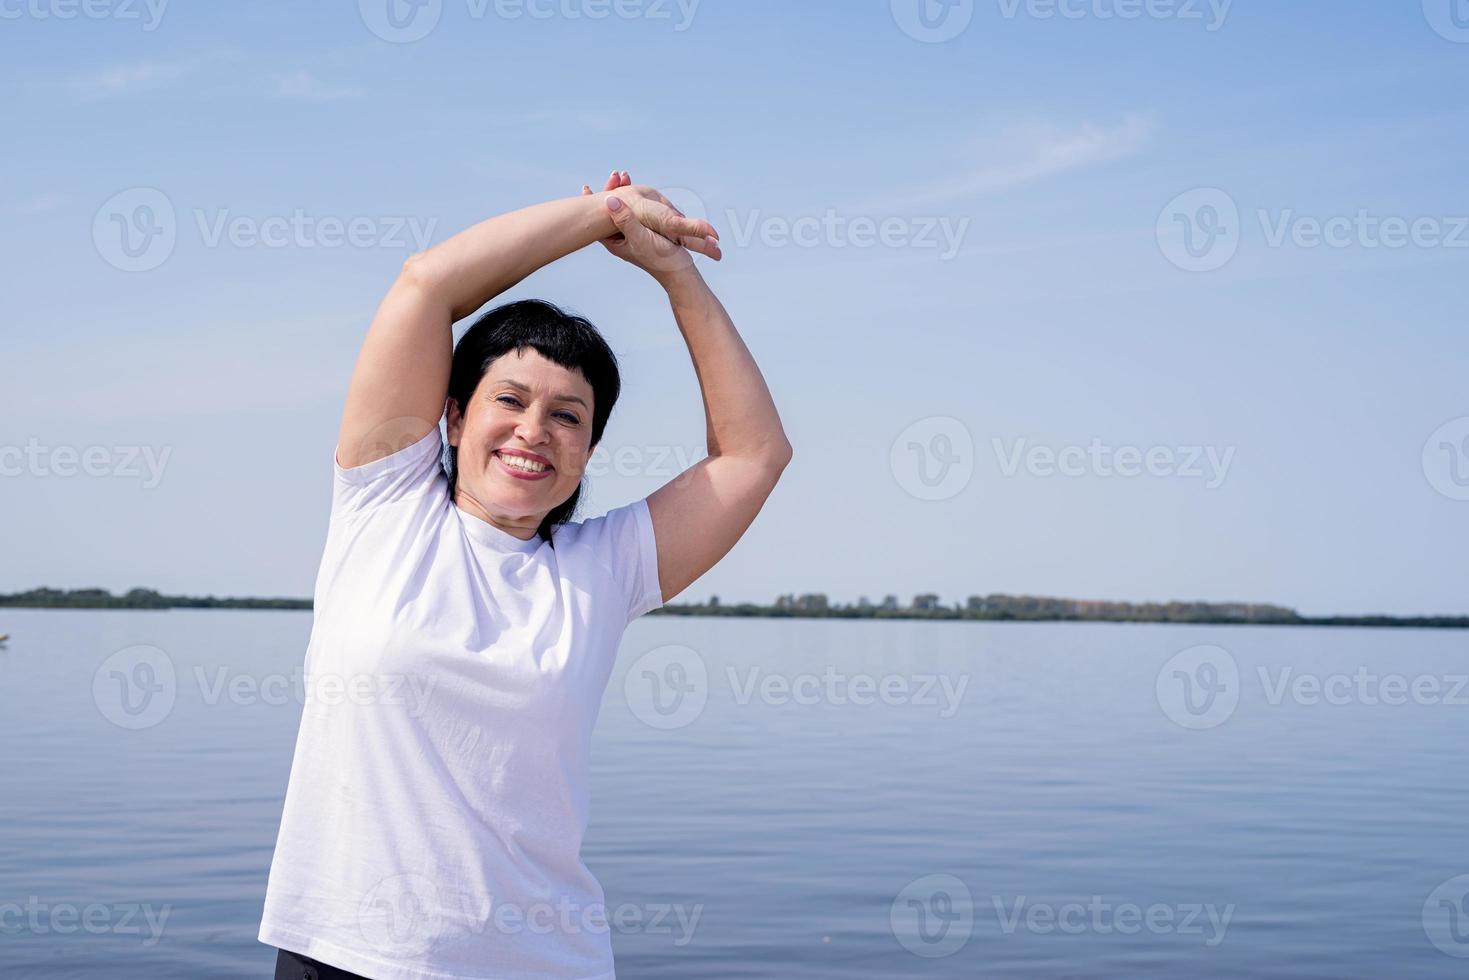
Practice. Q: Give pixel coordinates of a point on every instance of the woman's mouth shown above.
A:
(522, 468)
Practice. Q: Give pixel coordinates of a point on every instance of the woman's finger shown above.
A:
(673, 225)
(704, 246)
(697, 227)
(613, 182)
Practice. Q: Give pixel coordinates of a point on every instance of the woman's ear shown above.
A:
(455, 421)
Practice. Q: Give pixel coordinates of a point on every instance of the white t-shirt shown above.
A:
(433, 821)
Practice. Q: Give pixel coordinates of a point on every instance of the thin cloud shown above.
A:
(120, 80)
(1027, 153)
(304, 85)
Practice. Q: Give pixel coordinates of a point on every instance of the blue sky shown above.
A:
(973, 249)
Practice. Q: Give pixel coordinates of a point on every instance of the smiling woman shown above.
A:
(537, 387)
(407, 833)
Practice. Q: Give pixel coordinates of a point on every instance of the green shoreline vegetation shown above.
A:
(993, 608)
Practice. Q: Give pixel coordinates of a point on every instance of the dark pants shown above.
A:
(294, 966)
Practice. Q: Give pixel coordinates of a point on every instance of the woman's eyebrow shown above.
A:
(560, 398)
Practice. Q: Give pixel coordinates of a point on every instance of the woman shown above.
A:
(464, 632)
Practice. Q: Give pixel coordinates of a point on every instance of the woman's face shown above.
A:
(526, 409)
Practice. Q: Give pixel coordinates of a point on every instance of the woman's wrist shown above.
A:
(683, 284)
(598, 219)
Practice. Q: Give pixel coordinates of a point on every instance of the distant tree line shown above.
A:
(999, 607)
(815, 605)
(137, 599)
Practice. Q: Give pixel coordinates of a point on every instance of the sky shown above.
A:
(1114, 299)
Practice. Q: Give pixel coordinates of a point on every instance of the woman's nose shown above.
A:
(532, 430)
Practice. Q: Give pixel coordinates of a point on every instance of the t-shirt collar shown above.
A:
(493, 537)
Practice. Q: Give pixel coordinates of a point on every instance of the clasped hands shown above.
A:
(652, 234)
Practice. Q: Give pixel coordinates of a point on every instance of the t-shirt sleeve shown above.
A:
(622, 540)
(409, 472)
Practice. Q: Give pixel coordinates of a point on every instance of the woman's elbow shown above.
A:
(780, 453)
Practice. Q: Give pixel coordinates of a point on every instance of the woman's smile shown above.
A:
(522, 466)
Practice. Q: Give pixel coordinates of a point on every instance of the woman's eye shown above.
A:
(511, 400)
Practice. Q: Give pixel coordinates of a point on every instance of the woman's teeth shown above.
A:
(521, 463)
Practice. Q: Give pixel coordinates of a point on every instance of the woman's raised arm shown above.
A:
(401, 381)
(700, 514)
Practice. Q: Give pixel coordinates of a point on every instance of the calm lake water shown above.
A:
(780, 799)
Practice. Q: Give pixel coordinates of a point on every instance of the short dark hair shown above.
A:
(565, 338)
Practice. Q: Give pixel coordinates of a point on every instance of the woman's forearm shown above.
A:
(738, 409)
(476, 265)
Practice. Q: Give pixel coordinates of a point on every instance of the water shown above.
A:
(1043, 815)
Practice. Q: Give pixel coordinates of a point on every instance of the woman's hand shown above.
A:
(653, 234)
